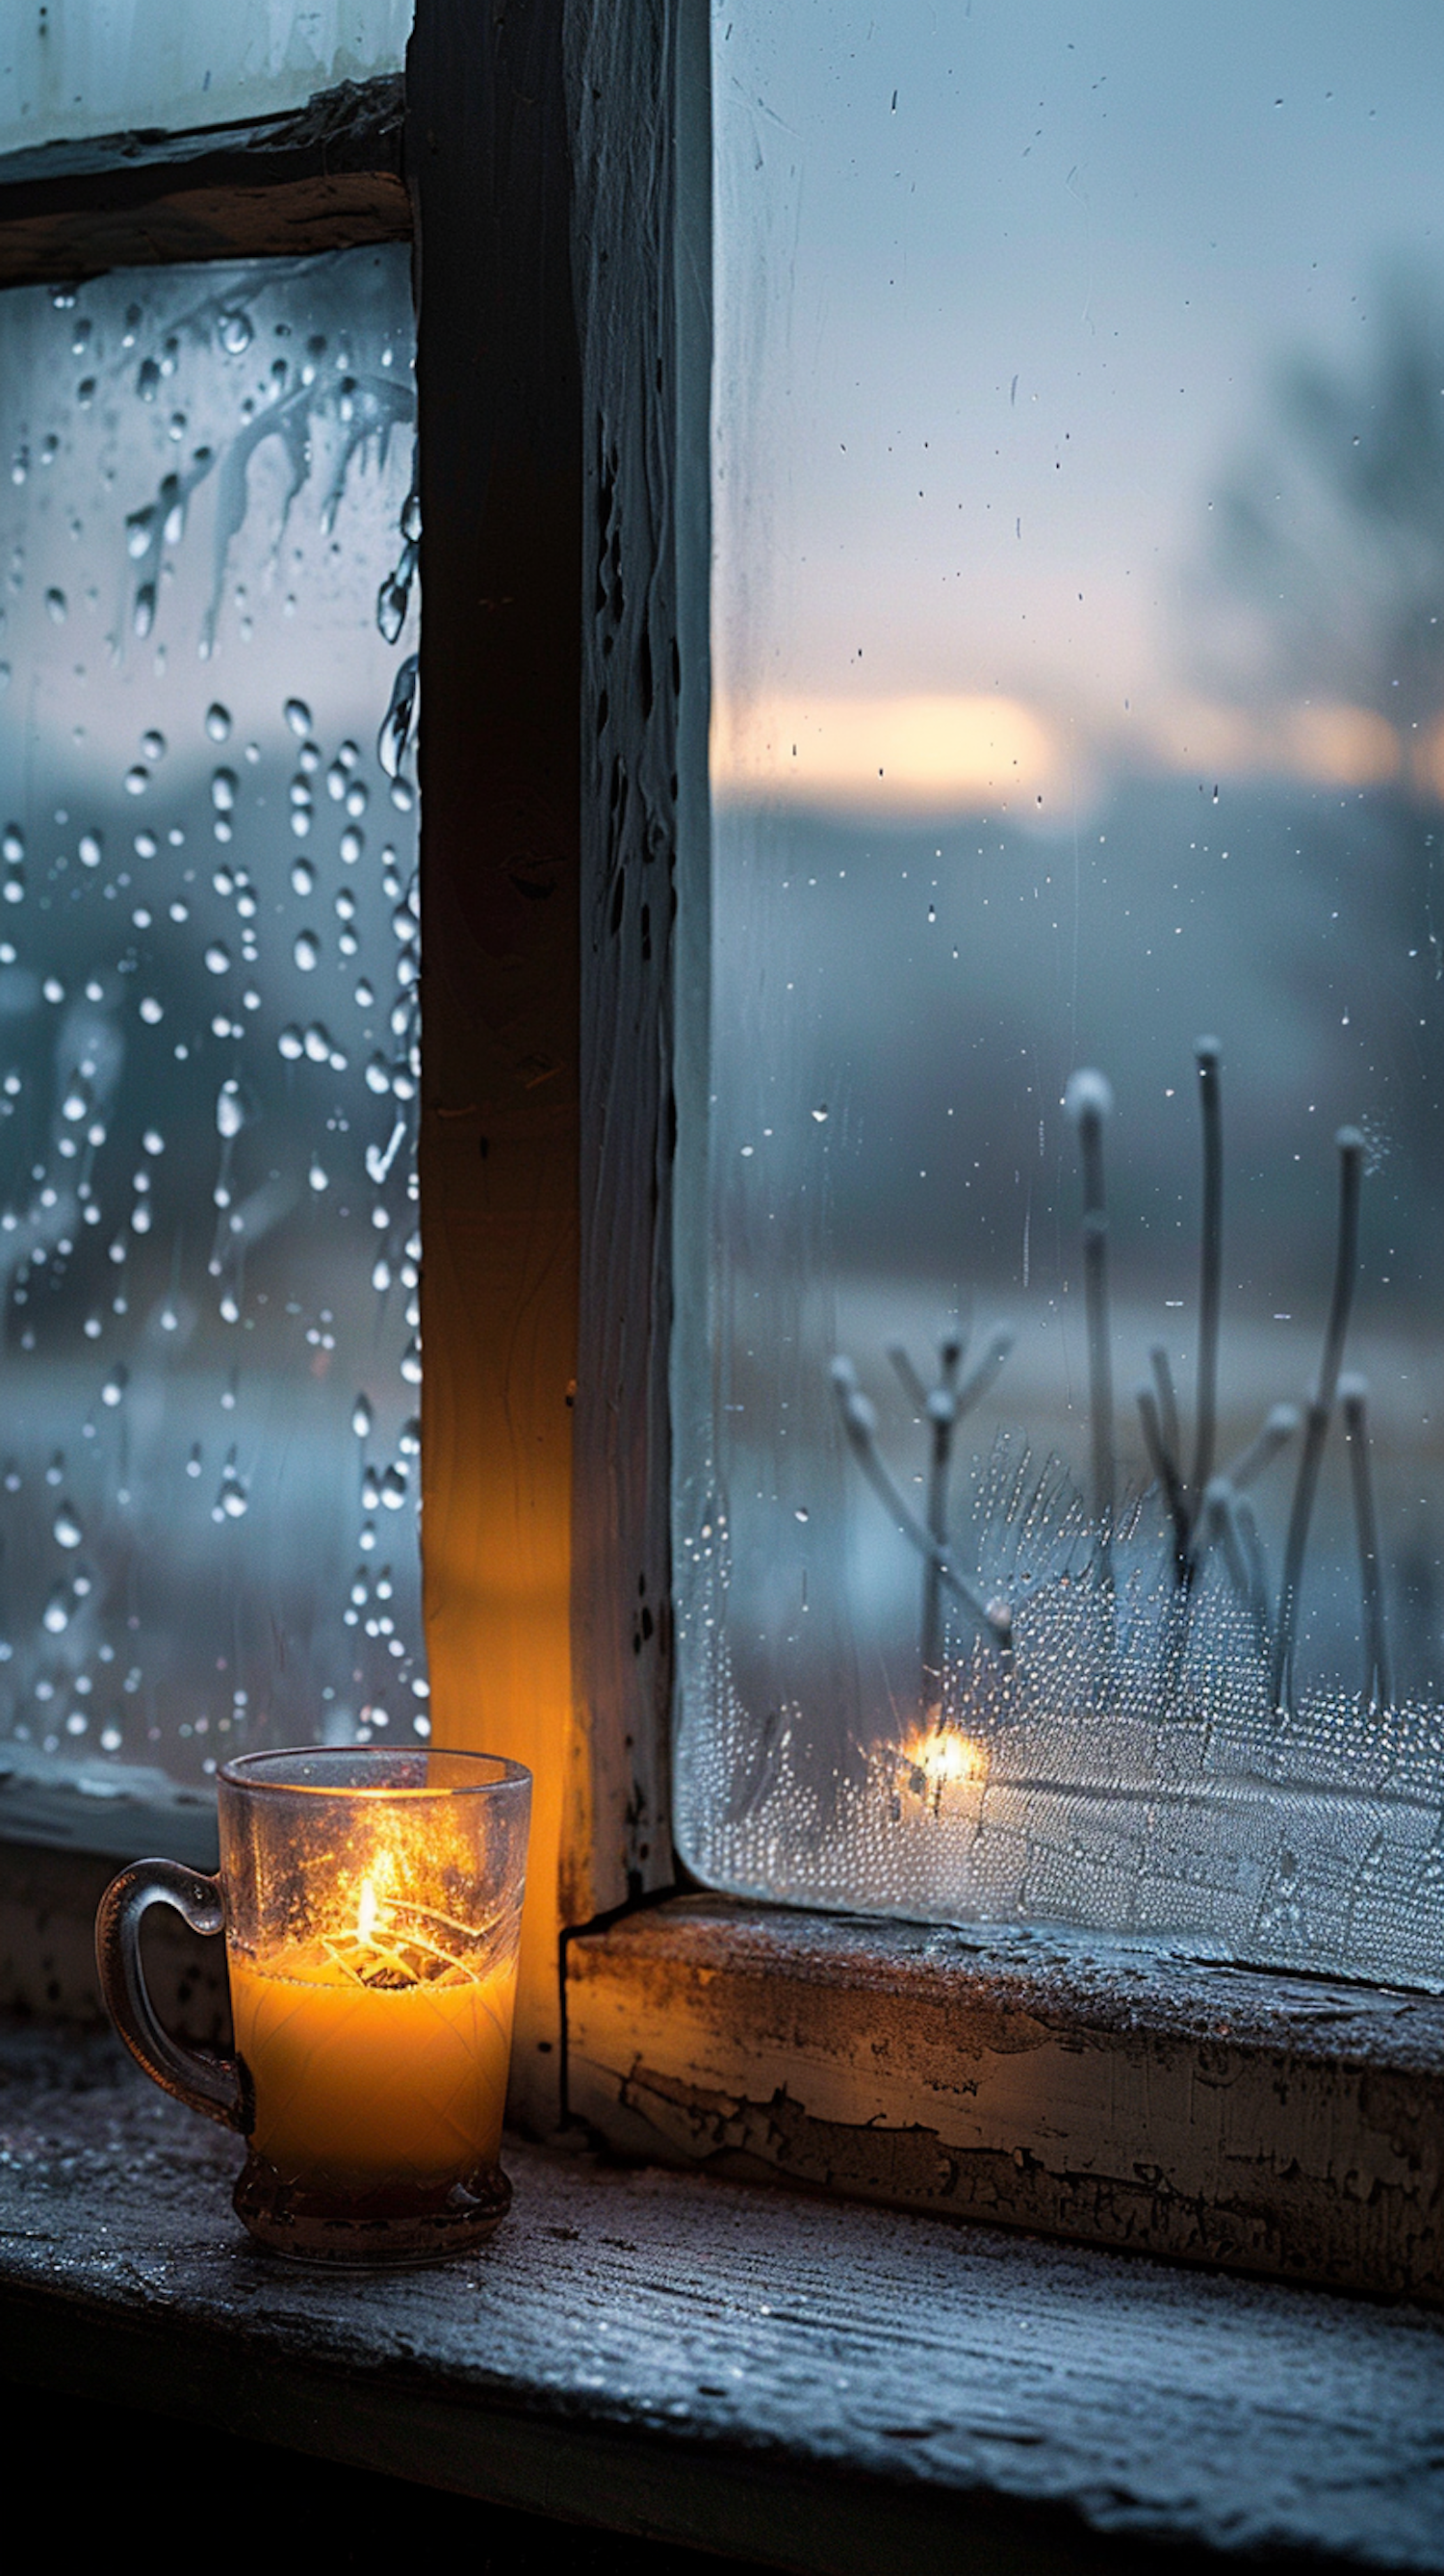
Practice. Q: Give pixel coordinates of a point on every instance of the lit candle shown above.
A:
(377, 2052)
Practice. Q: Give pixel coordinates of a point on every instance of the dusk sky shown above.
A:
(1002, 294)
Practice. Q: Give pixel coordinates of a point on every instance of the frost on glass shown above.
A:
(82, 67)
(1065, 1539)
(208, 958)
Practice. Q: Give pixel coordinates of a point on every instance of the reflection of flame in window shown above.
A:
(366, 1912)
(940, 1758)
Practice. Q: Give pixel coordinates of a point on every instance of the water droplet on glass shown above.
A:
(370, 1491)
(56, 1615)
(821, 1115)
(303, 877)
(90, 849)
(218, 722)
(151, 1010)
(137, 779)
(218, 957)
(361, 1418)
(393, 1488)
(358, 797)
(230, 1116)
(336, 781)
(298, 715)
(58, 605)
(153, 744)
(138, 529)
(396, 724)
(147, 380)
(235, 333)
(391, 604)
(291, 1044)
(318, 1179)
(352, 845)
(68, 1532)
(307, 951)
(381, 1274)
(143, 613)
(115, 1385)
(378, 1074)
(411, 1364)
(318, 1043)
(223, 790)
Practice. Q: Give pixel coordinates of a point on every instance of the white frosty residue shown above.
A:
(1122, 1770)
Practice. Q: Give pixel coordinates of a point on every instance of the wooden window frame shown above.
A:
(551, 160)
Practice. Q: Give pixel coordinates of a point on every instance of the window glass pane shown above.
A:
(1079, 485)
(208, 945)
(103, 66)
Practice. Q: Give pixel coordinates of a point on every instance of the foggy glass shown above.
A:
(109, 66)
(1078, 476)
(208, 953)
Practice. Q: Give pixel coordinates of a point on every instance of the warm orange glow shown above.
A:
(917, 754)
(378, 2048)
(940, 1758)
(359, 2083)
(1341, 746)
(893, 754)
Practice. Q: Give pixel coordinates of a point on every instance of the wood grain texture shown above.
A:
(836, 2390)
(322, 178)
(500, 451)
(1126, 2095)
(644, 399)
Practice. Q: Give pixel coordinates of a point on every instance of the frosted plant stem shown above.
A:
(1258, 1595)
(1275, 1434)
(1168, 1421)
(943, 1409)
(1316, 1420)
(1378, 1680)
(1210, 1264)
(1165, 1467)
(860, 1423)
(1089, 1099)
(908, 1378)
(942, 1413)
(983, 1371)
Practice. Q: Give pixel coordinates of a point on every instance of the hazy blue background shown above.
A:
(1079, 480)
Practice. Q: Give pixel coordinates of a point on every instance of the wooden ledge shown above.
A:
(814, 2386)
(323, 177)
(1123, 2093)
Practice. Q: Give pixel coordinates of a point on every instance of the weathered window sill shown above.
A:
(814, 2385)
(1125, 2093)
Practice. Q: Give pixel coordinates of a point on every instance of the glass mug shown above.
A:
(371, 1906)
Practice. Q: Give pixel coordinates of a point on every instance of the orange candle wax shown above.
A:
(361, 2083)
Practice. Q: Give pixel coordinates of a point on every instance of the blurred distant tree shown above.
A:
(1329, 544)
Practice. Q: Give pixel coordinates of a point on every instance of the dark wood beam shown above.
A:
(322, 178)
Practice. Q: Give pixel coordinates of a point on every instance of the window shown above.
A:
(1079, 468)
(208, 987)
(557, 193)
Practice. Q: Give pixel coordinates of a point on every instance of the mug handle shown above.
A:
(214, 2084)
